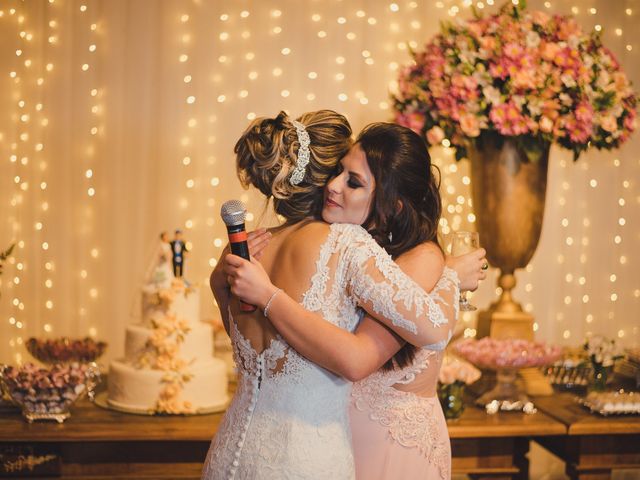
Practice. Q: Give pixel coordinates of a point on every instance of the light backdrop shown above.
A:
(119, 119)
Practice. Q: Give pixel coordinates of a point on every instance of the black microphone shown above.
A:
(233, 213)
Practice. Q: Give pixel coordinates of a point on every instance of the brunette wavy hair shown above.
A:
(406, 207)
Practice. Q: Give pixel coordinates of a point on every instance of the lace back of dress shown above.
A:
(256, 338)
(327, 294)
(421, 377)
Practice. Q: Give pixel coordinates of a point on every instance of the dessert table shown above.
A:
(96, 443)
(594, 445)
(496, 446)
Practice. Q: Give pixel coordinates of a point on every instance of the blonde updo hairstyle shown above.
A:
(267, 153)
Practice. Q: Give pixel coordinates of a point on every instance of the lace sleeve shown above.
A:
(381, 288)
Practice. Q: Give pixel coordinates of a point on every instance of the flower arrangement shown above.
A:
(47, 393)
(63, 350)
(602, 352)
(508, 353)
(162, 352)
(454, 374)
(529, 75)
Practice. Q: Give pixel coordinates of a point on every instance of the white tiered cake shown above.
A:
(169, 365)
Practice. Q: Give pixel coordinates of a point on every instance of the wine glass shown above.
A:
(462, 243)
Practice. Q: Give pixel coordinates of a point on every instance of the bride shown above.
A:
(289, 418)
(160, 271)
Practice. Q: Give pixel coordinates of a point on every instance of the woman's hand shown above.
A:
(248, 280)
(469, 268)
(258, 241)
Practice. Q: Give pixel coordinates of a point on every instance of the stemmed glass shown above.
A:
(462, 243)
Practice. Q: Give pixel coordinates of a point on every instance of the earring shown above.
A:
(390, 237)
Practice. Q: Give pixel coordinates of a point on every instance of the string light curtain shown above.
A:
(120, 118)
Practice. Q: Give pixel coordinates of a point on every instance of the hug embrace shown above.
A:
(337, 368)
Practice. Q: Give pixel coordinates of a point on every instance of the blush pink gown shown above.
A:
(397, 425)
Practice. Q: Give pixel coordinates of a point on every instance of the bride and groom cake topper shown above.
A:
(169, 259)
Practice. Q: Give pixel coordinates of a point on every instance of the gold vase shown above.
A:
(508, 197)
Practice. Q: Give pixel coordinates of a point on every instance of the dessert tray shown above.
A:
(612, 403)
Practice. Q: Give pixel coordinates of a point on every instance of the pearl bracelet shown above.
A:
(265, 311)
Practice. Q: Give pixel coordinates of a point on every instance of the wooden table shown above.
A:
(594, 445)
(97, 443)
(495, 446)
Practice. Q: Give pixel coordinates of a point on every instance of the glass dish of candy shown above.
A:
(506, 357)
(65, 350)
(47, 393)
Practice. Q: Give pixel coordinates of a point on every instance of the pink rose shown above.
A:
(524, 79)
(550, 109)
(469, 125)
(438, 87)
(630, 122)
(488, 43)
(540, 18)
(458, 80)
(546, 124)
(620, 81)
(475, 28)
(608, 123)
(549, 51)
(414, 120)
(435, 135)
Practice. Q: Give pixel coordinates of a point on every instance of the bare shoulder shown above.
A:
(314, 228)
(305, 242)
(295, 263)
(308, 235)
(425, 252)
(424, 263)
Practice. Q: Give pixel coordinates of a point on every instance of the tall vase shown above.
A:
(508, 193)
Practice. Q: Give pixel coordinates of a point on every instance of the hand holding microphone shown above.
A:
(233, 213)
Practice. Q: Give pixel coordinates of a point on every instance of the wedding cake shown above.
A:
(168, 365)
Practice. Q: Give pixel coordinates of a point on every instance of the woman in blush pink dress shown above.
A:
(386, 184)
(397, 425)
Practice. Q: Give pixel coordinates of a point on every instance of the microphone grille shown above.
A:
(233, 212)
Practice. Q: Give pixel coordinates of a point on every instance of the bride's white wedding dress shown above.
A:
(289, 417)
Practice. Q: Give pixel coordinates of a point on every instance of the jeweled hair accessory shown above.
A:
(303, 154)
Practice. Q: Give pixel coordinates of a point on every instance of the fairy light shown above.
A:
(229, 91)
(89, 171)
(191, 120)
(26, 150)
